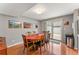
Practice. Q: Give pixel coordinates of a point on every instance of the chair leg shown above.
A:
(44, 47)
(27, 51)
(40, 50)
(24, 50)
(49, 46)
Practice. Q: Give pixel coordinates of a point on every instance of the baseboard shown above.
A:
(14, 44)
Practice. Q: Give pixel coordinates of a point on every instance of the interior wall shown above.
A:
(75, 17)
(14, 36)
(3, 27)
(64, 18)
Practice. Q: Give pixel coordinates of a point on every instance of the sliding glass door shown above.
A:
(57, 36)
(57, 30)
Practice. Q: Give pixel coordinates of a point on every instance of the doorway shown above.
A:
(57, 27)
(57, 31)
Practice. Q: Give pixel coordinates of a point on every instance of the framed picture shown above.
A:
(27, 25)
(14, 24)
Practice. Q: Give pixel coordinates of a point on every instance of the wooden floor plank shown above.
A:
(52, 49)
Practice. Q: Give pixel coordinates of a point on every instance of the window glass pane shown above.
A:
(49, 28)
(58, 23)
(57, 30)
(57, 33)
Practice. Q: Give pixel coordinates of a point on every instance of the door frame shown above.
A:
(62, 30)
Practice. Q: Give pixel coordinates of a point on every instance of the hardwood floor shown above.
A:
(54, 49)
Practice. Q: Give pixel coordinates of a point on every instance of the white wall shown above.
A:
(14, 36)
(75, 17)
(69, 28)
(43, 25)
(3, 20)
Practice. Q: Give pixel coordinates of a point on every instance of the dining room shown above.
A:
(38, 28)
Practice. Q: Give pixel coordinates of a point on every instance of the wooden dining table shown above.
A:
(35, 38)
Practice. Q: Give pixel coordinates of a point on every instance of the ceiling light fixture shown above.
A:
(39, 10)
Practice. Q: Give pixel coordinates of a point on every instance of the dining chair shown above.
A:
(43, 42)
(40, 44)
(27, 44)
(46, 38)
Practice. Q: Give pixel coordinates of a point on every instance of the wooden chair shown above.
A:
(40, 44)
(46, 38)
(27, 44)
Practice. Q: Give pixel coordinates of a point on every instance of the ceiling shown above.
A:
(26, 9)
(15, 9)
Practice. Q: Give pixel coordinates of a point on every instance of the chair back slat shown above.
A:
(24, 39)
(46, 36)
